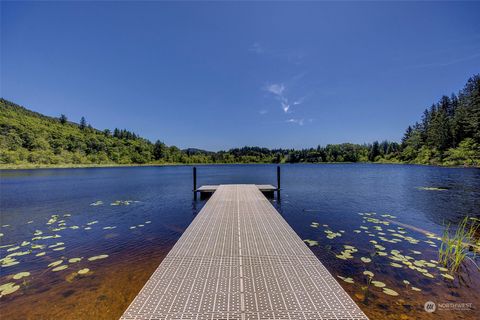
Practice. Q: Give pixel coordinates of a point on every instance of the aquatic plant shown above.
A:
(454, 247)
(309, 242)
(21, 275)
(83, 271)
(346, 279)
(8, 288)
(102, 256)
(366, 288)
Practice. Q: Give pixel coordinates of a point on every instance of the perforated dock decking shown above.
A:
(239, 259)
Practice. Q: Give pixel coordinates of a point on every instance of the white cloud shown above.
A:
(276, 88)
(298, 102)
(263, 111)
(257, 48)
(296, 121)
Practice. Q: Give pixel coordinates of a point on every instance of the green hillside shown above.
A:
(31, 138)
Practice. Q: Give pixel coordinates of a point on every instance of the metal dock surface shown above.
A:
(239, 259)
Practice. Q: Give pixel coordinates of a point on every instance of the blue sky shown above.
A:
(220, 75)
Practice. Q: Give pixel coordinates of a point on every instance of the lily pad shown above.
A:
(378, 284)
(368, 273)
(60, 268)
(390, 292)
(19, 253)
(8, 288)
(102, 256)
(55, 263)
(346, 279)
(448, 276)
(83, 271)
(396, 265)
(8, 262)
(311, 243)
(21, 275)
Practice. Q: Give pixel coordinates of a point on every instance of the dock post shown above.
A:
(278, 182)
(194, 183)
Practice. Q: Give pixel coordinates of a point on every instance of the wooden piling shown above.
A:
(278, 182)
(194, 183)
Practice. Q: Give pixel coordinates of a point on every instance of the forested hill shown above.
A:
(448, 134)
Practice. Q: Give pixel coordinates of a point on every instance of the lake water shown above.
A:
(127, 219)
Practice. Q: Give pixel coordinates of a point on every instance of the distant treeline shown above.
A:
(448, 134)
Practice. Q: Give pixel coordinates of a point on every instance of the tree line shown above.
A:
(448, 134)
(449, 131)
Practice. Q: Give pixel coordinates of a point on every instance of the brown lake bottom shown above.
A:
(106, 291)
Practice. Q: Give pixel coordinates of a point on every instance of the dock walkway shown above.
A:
(239, 259)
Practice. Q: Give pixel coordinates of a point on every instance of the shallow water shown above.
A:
(137, 234)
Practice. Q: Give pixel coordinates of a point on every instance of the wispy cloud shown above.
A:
(278, 90)
(447, 63)
(257, 48)
(300, 122)
(263, 111)
(298, 102)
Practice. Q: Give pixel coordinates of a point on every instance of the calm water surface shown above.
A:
(127, 219)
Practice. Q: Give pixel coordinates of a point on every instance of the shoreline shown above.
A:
(114, 165)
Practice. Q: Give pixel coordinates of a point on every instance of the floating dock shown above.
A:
(239, 259)
(207, 190)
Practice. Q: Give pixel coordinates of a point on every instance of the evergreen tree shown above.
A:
(63, 119)
(159, 150)
(374, 151)
(83, 123)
